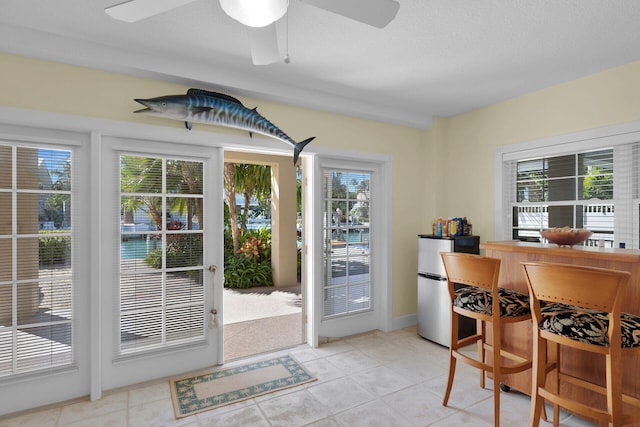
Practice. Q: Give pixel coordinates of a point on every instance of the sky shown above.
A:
(54, 159)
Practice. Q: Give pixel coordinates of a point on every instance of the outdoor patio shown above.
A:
(260, 320)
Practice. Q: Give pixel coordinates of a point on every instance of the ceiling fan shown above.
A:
(260, 16)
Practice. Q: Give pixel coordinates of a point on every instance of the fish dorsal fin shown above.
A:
(201, 92)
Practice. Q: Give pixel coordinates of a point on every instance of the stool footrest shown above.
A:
(634, 401)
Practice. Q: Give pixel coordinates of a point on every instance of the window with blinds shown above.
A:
(347, 260)
(36, 287)
(575, 190)
(162, 295)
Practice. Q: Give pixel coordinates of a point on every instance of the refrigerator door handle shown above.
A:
(433, 276)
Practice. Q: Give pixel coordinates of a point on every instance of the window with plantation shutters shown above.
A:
(36, 278)
(161, 292)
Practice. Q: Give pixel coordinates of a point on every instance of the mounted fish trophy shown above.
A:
(217, 109)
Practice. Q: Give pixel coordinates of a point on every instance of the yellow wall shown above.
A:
(47, 86)
(468, 141)
(446, 170)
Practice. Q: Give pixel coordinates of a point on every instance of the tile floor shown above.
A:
(375, 379)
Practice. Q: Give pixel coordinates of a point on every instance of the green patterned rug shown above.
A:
(218, 387)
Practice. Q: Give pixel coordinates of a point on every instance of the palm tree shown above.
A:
(144, 175)
(252, 181)
(184, 177)
(230, 195)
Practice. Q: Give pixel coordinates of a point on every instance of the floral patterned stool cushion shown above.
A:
(588, 326)
(479, 300)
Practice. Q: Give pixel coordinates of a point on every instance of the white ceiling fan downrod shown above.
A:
(287, 59)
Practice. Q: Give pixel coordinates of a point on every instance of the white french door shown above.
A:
(350, 267)
(161, 239)
(44, 351)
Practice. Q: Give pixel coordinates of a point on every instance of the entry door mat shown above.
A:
(218, 387)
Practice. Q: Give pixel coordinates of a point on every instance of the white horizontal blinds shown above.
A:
(162, 294)
(508, 197)
(36, 288)
(635, 194)
(574, 190)
(623, 194)
(347, 260)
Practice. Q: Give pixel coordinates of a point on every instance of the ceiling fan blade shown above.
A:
(264, 45)
(377, 13)
(136, 10)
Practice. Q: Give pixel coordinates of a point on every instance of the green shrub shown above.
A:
(251, 266)
(183, 250)
(242, 272)
(54, 250)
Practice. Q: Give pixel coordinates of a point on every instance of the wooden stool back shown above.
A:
(576, 290)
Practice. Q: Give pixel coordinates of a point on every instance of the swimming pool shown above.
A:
(137, 248)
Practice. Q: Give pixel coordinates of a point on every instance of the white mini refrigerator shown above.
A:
(434, 303)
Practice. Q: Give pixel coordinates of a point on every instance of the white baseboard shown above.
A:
(405, 321)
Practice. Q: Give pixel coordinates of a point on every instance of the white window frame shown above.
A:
(576, 202)
(615, 136)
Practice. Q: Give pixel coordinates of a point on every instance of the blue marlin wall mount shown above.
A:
(218, 109)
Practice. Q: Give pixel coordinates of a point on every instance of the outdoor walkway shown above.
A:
(260, 320)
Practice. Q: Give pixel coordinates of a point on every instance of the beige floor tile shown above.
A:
(112, 419)
(304, 353)
(353, 361)
(157, 413)
(86, 410)
(149, 393)
(368, 339)
(382, 380)
(420, 368)
(465, 391)
(334, 348)
(327, 422)
(372, 414)
(42, 418)
(378, 378)
(340, 394)
(295, 409)
(419, 404)
(323, 370)
(386, 352)
(247, 416)
(465, 419)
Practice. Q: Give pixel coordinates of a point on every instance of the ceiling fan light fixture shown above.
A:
(255, 13)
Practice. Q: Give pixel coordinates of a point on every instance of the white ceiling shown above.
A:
(437, 58)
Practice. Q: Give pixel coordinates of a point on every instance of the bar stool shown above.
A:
(579, 307)
(479, 275)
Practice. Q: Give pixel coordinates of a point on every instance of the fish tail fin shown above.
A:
(297, 149)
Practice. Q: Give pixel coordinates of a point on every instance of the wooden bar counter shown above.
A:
(517, 337)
